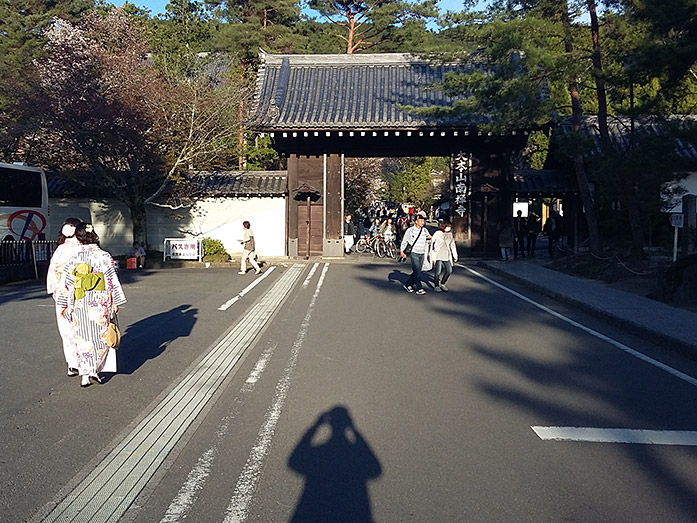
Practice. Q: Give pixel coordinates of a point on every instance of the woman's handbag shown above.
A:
(113, 334)
(427, 265)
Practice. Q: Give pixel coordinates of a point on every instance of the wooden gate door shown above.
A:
(317, 225)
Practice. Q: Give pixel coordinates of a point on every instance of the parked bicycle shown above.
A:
(377, 245)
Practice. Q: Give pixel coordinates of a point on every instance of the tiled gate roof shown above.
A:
(359, 91)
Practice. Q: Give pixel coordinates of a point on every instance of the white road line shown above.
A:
(105, 494)
(238, 508)
(309, 276)
(180, 506)
(588, 330)
(225, 306)
(598, 435)
(260, 366)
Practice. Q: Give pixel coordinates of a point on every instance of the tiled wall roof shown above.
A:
(359, 91)
(620, 129)
(203, 184)
(543, 182)
(239, 183)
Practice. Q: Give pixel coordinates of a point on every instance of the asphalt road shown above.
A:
(351, 400)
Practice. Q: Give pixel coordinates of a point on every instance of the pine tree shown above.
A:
(370, 23)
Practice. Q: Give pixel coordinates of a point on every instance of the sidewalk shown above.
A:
(654, 320)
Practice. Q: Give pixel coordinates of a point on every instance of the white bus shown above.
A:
(23, 202)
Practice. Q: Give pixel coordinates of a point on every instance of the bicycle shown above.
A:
(389, 248)
(378, 245)
(366, 243)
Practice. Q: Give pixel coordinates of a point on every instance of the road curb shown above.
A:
(672, 343)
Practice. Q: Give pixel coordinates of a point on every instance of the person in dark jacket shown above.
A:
(519, 231)
(533, 226)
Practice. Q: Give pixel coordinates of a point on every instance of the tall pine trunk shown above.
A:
(579, 165)
(631, 197)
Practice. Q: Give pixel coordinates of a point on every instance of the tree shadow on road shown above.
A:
(337, 463)
(148, 338)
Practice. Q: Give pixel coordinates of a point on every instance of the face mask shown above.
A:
(447, 229)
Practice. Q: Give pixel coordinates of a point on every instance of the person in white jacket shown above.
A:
(68, 246)
(444, 254)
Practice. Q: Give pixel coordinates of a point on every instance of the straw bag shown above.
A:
(113, 334)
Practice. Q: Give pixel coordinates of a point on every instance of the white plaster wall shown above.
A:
(213, 218)
(222, 219)
(111, 220)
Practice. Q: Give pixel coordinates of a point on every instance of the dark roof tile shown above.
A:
(359, 91)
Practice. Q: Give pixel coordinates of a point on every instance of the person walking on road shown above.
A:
(534, 227)
(519, 230)
(414, 244)
(91, 300)
(349, 234)
(506, 241)
(551, 229)
(68, 246)
(248, 248)
(444, 254)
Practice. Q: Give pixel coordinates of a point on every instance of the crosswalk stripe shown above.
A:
(107, 492)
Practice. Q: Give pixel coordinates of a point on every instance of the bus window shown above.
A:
(20, 188)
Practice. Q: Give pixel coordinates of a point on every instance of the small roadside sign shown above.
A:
(676, 220)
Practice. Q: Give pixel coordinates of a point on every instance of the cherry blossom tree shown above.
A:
(118, 117)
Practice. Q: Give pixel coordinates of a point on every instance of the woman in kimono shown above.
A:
(68, 246)
(92, 298)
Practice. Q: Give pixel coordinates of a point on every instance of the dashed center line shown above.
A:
(225, 306)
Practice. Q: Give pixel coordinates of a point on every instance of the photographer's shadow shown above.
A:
(336, 469)
(148, 338)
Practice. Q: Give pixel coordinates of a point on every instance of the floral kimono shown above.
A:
(92, 292)
(61, 256)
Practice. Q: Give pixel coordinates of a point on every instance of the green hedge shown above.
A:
(214, 251)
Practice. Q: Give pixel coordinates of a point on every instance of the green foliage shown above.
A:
(536, 150)
(214, 251)
(179, 38)
(409, 180)
(260, 155)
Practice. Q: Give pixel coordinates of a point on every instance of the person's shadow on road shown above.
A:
(149, 337)
(336, 470)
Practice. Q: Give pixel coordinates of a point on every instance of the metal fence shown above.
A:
(21, 260)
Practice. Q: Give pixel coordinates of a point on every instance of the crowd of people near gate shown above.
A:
(518, 237)
(384, 219)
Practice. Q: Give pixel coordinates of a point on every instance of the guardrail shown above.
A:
(21, 260)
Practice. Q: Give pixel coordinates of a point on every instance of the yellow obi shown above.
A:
(86, 280)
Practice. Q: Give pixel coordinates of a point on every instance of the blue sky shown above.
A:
(158, 6)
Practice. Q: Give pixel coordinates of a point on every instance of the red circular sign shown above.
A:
(26, 221)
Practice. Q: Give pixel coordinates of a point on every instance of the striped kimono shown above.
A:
(92, 289)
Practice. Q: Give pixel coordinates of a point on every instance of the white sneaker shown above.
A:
(408, 288)
(242, 272)
(257, 271)
(421, 291)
